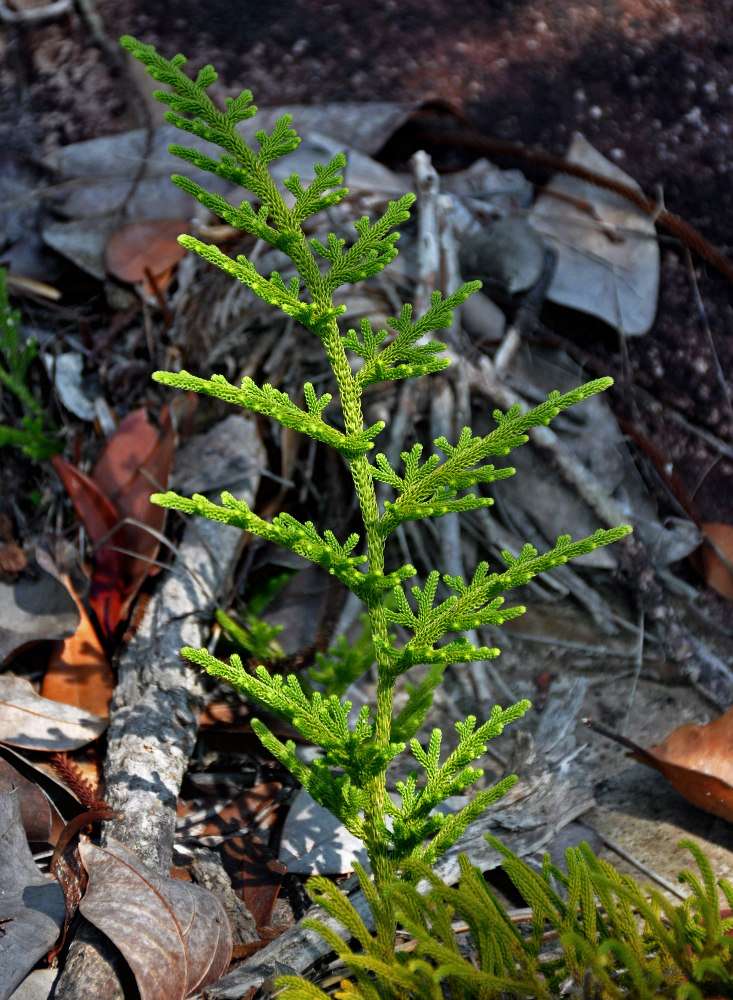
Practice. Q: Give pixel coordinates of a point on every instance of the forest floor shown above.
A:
(649, 83)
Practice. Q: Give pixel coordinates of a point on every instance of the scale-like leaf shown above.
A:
(350, 777)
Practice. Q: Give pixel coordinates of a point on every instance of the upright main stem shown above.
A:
(376, 787)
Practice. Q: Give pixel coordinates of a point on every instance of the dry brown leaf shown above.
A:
(143, 248)
(36, 723)
(175, 936)
(135, 462)
(41, 819)
(697, 760)
(715, 570)
(255, 872)
(12, 561)
(93, 507)
(235, 716)
(262, 876)
(78, 671)
(133, 440)
(102, 521)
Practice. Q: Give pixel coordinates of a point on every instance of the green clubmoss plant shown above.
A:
(15, 360)
(592, 933)
(349, 777)
(255, 637)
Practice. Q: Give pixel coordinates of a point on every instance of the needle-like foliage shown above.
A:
(616, 940)
(15, 360)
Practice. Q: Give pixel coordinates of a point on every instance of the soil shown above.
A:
(648, 82)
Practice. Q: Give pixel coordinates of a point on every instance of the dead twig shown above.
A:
(686, 233)
(32, 15)
(153, 725)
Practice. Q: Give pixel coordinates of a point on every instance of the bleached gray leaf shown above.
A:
(35, 608)
(174, 935)
(607, 258)
(31, 905)
(36, 723)
(315, 842)
(65, 373)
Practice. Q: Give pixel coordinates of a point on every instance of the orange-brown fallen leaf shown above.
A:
(135, 463)
(715, 558)
(262, 878)
(132, 442)
(140, 249)
(234, 716)
(697, 760)
(78, 671)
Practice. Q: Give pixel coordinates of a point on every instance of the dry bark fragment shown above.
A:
(154, 713)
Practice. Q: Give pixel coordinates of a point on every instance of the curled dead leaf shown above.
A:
(41, 819)
(31, 905)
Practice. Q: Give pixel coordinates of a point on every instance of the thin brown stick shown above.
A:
(686, 233)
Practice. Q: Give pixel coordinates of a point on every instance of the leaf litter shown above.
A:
(607, 253)
(146, 253)
(78, 671)
(715, 558)
(35, 607)
(31, 722)
(114, 508)
(40, 817)
(115, 608)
